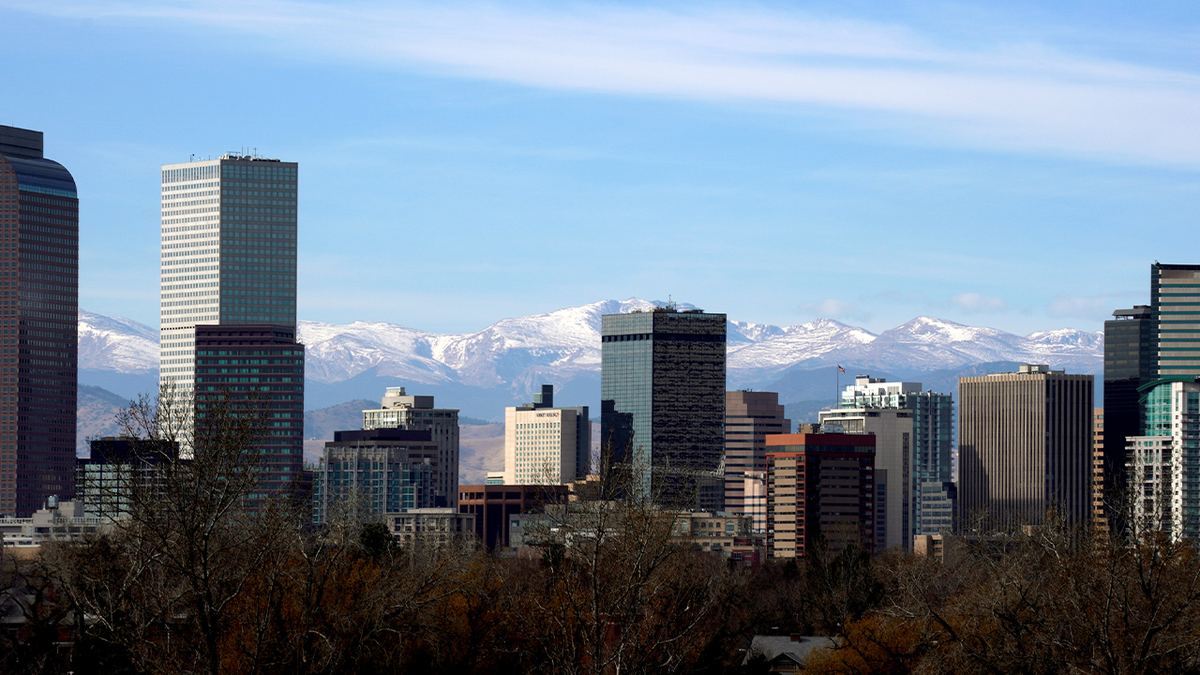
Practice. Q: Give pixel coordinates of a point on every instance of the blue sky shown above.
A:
(1011, 165)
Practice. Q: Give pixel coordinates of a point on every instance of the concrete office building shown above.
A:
(893, 432)
(398, 410)
(228, 255)
(375, 472)
(662, 403)
(749, 417)
(259, 369)
(544, 444)
(39, 306)
(1025, 447)
(824, 483)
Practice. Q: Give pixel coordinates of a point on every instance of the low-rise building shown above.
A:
(437, 526)
(57, 521)
(494, 505)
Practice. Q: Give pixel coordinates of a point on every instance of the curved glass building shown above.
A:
(39, 306)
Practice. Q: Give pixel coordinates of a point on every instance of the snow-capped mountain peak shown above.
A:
(520, 353)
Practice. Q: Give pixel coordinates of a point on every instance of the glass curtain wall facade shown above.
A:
(663, 402)
(1164, 462)
(374, 473)
(228, 252)
(1129, 363)
(39, 307)
(260, 368)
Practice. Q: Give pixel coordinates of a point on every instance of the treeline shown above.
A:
(264, 595)
(201, 577)
(270, 597)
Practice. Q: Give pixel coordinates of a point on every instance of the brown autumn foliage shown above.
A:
(197, 582)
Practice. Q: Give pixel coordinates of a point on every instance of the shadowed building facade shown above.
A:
(662, 402)
(821, 484)
(261, 367)
(39, 307)
(1129, 362)
(1025, 446)
(750, 416)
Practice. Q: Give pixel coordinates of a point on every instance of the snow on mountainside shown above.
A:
(797, 344)
(522, 352)
(926, 343)
(115, 343)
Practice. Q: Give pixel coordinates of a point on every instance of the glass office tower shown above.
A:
(229, 260)
(228, 252)
(39, 307)
(663, 402)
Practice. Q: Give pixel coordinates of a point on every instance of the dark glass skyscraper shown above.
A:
(261, 367)
(39, 306)
(662, 401)
(1129, 362)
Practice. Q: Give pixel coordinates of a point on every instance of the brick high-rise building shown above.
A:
(750, 416)
(822, 483)
(39, 306)
(262, 367)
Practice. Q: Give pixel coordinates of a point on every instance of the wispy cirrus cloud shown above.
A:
(1095, 307)
(833, 308)
(975, 302)
(1016, 96)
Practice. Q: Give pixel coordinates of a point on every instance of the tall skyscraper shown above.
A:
(544, 444)
(228, 252)
(39, 306)
(229, 259)
(662, 402)
(398, 410)
(1025, 446)
(1175, 310)
(750, 416)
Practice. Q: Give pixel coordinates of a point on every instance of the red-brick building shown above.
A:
(820, 483)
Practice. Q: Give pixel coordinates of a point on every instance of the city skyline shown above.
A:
(997, 159)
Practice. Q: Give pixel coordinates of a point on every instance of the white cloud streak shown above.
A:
(1026, 98)
(974, 302)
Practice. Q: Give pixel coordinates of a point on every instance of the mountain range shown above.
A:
(503, 364)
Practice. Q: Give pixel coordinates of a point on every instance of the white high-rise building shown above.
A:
(544, 445)
(228, 252)
(398, 410)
